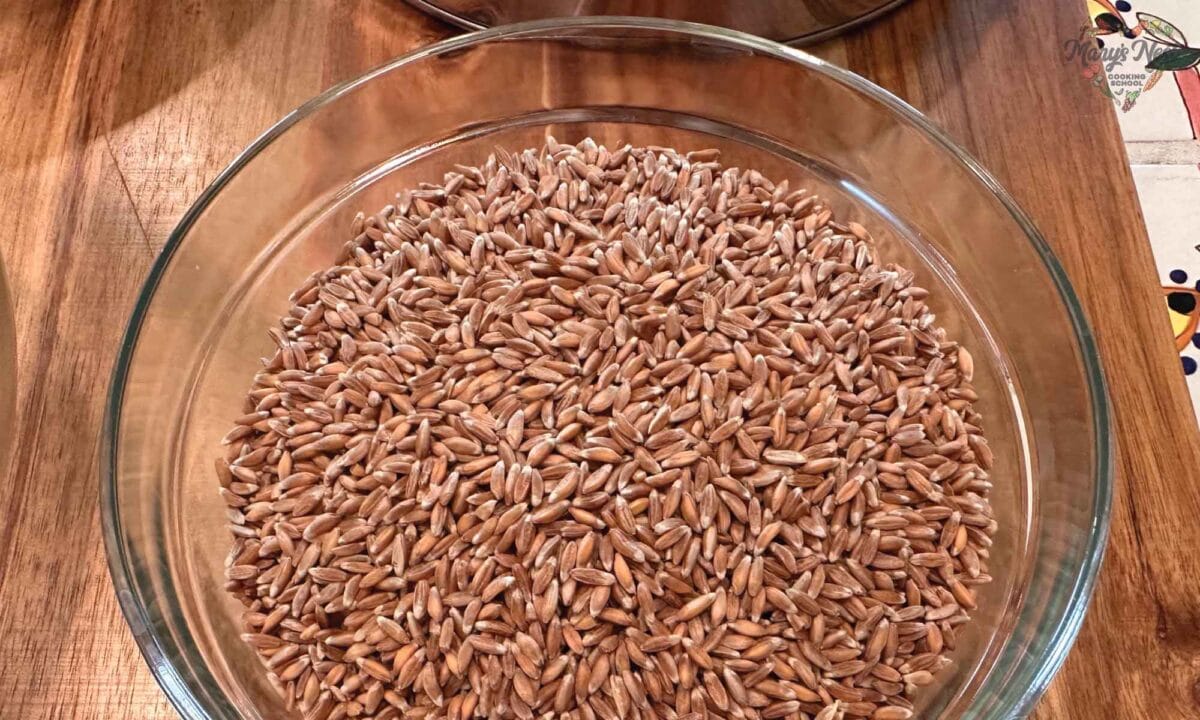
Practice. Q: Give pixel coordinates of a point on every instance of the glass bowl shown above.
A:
(797, 22)
(283, 208)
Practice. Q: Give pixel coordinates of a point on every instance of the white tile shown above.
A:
(1170, 197)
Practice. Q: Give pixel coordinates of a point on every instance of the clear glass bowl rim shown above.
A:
(1025, 684)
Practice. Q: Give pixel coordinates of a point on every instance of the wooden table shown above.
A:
(114, 115)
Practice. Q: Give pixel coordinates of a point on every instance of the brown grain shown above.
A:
(608, 433)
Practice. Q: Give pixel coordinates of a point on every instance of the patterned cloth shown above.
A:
(1144, 55)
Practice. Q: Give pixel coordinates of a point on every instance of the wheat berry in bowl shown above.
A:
(593, 433)
(620, 452)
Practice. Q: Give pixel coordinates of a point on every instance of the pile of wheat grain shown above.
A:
(590, 433)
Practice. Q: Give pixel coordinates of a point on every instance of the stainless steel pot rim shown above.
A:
(431, 7)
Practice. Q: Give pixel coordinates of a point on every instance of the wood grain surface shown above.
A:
(114, 115)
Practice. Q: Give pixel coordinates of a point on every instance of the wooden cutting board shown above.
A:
(114, 115)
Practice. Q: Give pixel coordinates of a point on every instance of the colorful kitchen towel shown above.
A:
(1144, 55)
